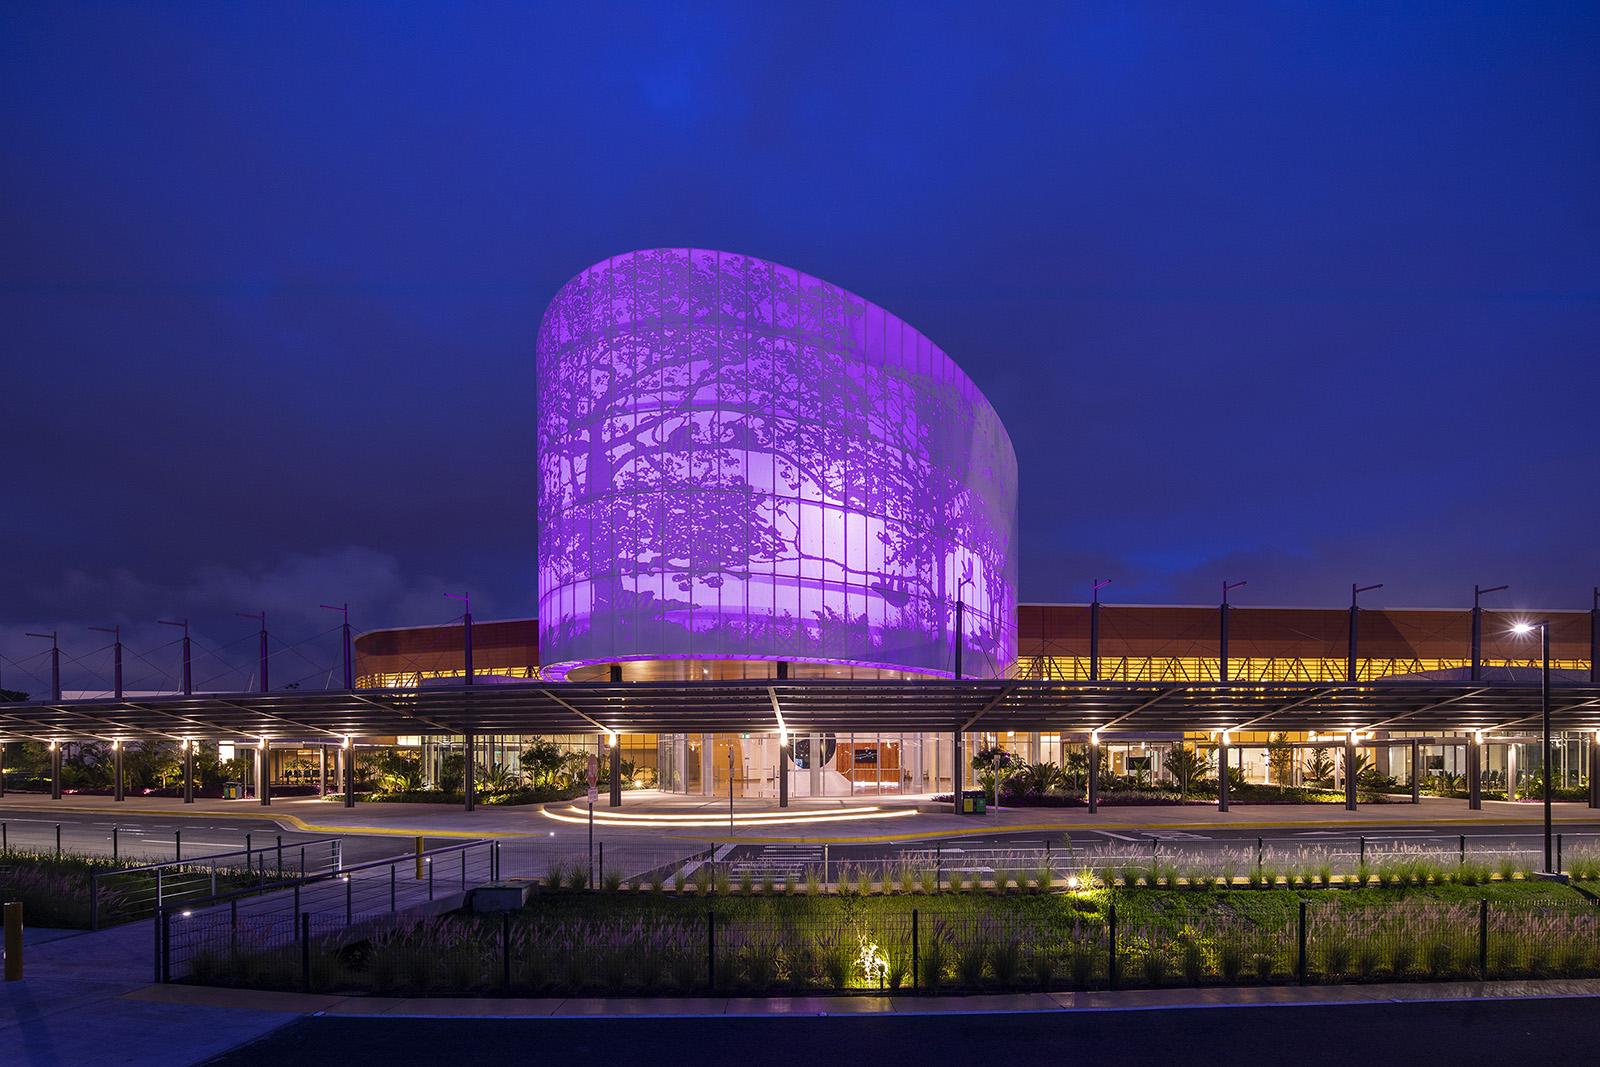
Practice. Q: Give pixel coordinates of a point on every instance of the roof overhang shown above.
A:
(814, 706)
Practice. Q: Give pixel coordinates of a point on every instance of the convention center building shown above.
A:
(745, 472)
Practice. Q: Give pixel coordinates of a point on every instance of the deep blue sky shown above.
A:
(1302, 294)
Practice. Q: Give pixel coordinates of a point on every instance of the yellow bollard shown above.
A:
(419, 859)
(13, 911)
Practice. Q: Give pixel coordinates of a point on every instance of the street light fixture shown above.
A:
(1544, 703)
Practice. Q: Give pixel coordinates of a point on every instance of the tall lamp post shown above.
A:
(1544, 704)
(1477, 629)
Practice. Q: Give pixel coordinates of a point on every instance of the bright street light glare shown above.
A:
(1521, 628)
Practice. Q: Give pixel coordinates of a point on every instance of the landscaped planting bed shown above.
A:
(907, 930)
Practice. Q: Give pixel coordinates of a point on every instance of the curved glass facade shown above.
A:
(740, 461)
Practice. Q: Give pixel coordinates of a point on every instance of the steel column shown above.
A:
(1094, 775)
(469, 773)
(188, 772)
(119, 785)
(264, 773)
(1416, 772)
(1350, 772)
(1594, 770)
(1474, 774)
(1222, 773)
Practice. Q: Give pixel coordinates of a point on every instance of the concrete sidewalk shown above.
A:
(661, 815)
(986, 1003)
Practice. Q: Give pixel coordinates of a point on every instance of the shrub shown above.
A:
(723, 880)
(702, 879)
(1005, 960)
(928, 880)
(747, 883)
(554, 874)
(611, 880)
(969, 965)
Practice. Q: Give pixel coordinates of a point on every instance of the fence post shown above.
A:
(1463, 848)
(916, 948)
(391, 887)
(1258, 855)
(463, 869)
(113, 842)
(430, 879)
(419, 859)
(94, 900)
(5, 844)
(349, 900)
(1111, 929)
(1558, 853)
(213, 877)
(158, 887)
(280, 855)
(13, 922)
(337, 859)
(1483, 939)
(58, 840)
(1300, 968)
(166, 945)
(711, 951)
(177, 846)
(247, 864)
(505, 953)
(1363, 858)
(938, 862)
(302, 861)
(305, 952)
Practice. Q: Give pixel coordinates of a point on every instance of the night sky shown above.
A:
(1298, 294)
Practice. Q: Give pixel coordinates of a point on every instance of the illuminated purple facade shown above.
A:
(738, 461)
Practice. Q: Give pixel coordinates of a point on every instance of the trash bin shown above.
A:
(232, 790)
(974, 802)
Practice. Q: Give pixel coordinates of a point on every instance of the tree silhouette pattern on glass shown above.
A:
(739, 461)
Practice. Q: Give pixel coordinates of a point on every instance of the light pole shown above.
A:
(1222, 659)
(1544, 704)
(117, 644)
(1350, 671)
(1094, 631)
(346, 610)
(188, 677)
(263, 620)
(1477, 630)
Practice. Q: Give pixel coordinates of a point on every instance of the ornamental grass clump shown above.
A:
(555, 874)
(813, 882)
(680, 881)
(747, 882)
(703, 879)
(611, 881)
(928, 880)
(769, 883)
(722, 881)
(907, 878)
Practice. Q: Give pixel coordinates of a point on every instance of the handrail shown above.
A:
(198, 860)
(164, 913)
(95, 877)
(343, 872)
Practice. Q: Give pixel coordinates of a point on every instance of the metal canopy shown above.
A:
(808, 706)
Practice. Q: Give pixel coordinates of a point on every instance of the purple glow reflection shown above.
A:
(738, 461)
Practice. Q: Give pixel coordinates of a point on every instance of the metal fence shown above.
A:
(351, 898)
(922, 949)
(130, 893)
(1061, 858)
